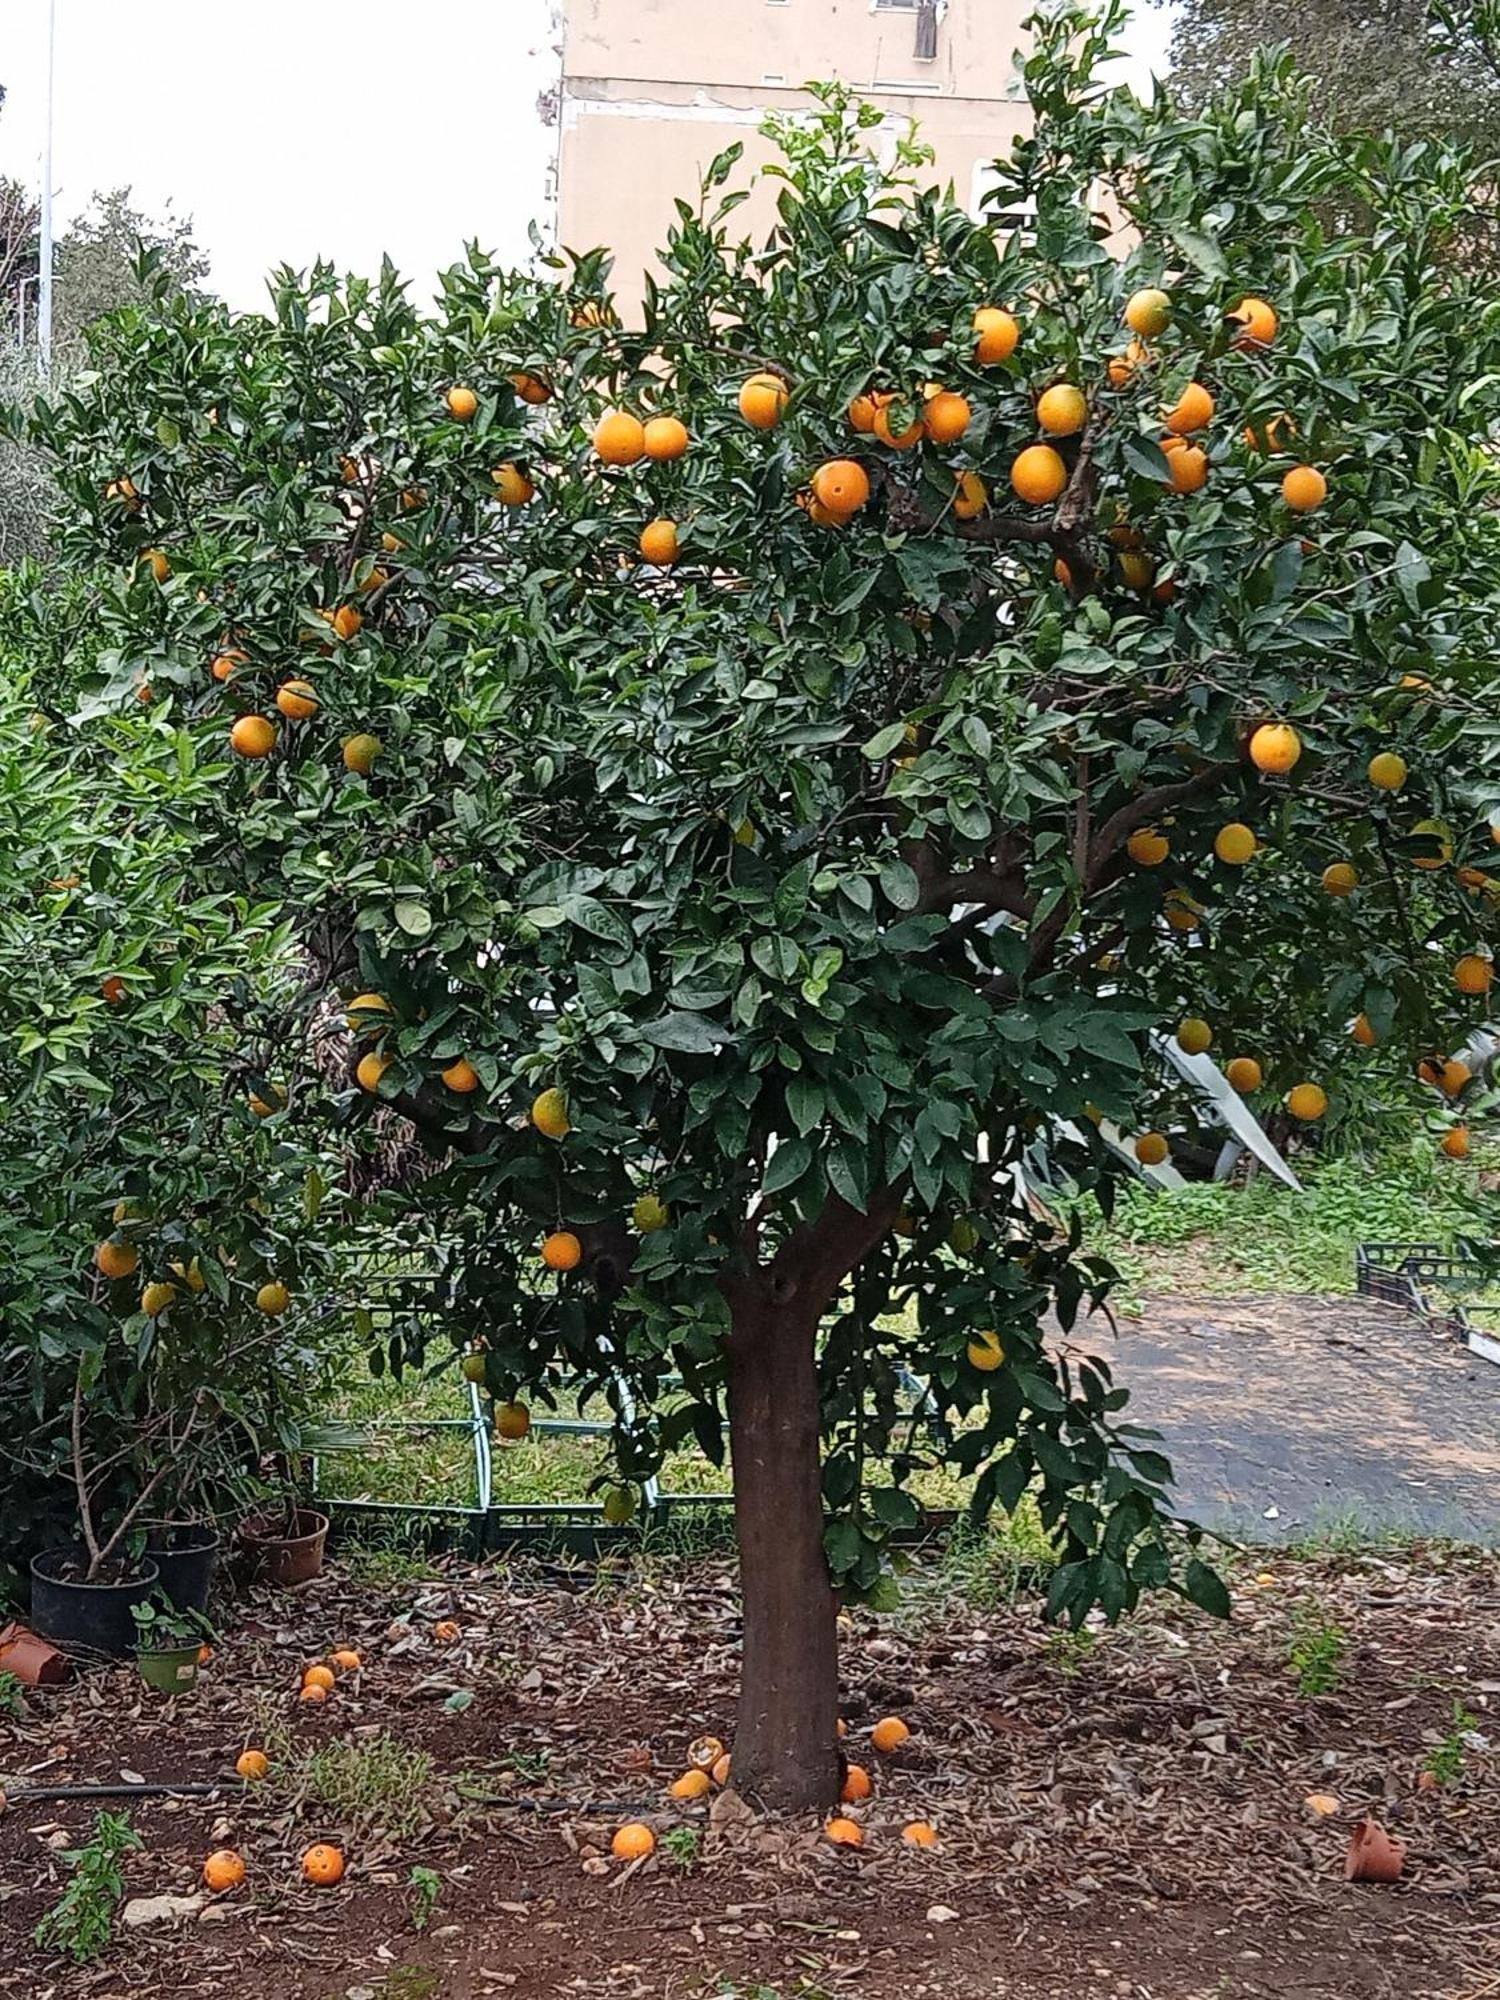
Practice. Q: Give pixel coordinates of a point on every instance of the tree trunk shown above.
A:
(785, 1743)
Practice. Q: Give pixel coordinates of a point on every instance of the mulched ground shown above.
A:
(1282, 1415)
(1120, 1818)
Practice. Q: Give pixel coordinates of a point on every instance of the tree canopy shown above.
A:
(756, 778)
(1423, 69)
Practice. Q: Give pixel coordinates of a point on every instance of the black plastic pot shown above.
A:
(87, 1617)
(185, 1553)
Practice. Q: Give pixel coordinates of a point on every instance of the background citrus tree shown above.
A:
(145, 1368)
(759, 774)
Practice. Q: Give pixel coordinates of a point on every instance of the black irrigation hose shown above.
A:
(183, 1791)
(585, 1808)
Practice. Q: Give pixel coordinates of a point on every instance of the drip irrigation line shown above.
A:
(195, 1789)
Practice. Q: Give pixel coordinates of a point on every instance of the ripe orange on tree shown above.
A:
(1038, 475)
(1148, 312)
(1474, 975)
(996, 335)
(359, 753)
(1151, 1149)
(1193, 410)
(1258, 320)
(462, 402)
(532, 388)
(1363, 1031)
(1235, 844)
(297, 700)
(910, 433)
(371, 1069)
(841, 485)
(1062, 410)
(1387, 771)
(1340, 878)
(658, 543)
(1188, 467)
(664, 439)
(1275, 747)
(1449, 1074)
(1307, 1101)
(1244, 1074)
(1455, 1142)
(116, 1259)
(762, 399)
(562, 1251)
(619, 438)
(549, 1114)
(253, 736)
(461, 1076)
(947, 416)
(1304, 488)
(970, 497)
(512, 487)
(1147, 848)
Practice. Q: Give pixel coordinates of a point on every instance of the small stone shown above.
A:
(143, 1910)
(941, 1914)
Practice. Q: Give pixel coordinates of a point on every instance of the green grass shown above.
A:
(1218, 1238)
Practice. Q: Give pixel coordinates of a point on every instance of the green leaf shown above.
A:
(690, 1033)
(414, 918)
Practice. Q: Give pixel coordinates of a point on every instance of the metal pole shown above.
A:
(44, 288)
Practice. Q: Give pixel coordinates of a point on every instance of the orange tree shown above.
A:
(157, 1234)
(759, 773)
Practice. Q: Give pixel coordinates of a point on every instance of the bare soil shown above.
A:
(1122, 1816)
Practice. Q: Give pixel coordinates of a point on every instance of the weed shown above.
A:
(12, 1701)
(1070, 1651)
(682, 1846)
(530, 1766)
(1446, 1764)
(382, 1783)
(81, 1922)
(425, 1885)
(1317, 1651)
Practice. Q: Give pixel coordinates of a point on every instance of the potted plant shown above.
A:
(186, 1554)
(167, 1643)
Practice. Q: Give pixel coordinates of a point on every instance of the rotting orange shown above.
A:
(919, 1833)
(856, 1785)
(633, 1841)
(252, 1765)
(691, 1785)
(844, 1832)
(318, 1675)
(889, 1733)
(224, 1869)
(323, 1863)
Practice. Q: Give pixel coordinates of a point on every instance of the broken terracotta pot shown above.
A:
(33, 1660)
(1374, 1855)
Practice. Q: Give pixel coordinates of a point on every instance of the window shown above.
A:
(897, 6)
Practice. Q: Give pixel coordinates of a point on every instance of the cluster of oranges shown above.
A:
(118, 1257)
(708, 1767)
(322, 1864)
(321, 1677)
(1274, 748)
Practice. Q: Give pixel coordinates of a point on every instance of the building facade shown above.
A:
(652, 90)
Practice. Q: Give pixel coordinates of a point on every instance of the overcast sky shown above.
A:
(289, 129)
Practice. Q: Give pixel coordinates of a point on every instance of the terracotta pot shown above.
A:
(1374, 1855)
(32, 1660)
(283, 1558)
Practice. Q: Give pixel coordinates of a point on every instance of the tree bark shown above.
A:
(786, 1738)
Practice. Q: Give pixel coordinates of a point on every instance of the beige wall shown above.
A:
(653, 89)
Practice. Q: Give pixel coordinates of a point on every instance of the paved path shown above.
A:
(1289, 1415)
